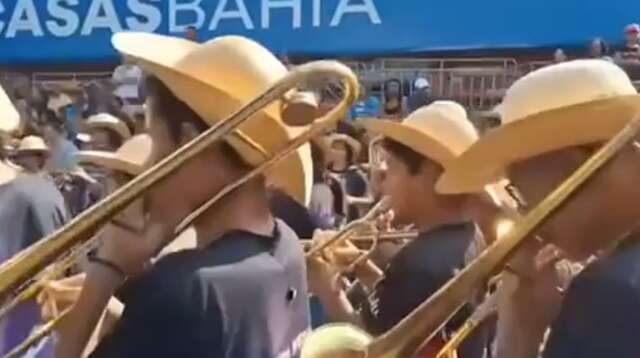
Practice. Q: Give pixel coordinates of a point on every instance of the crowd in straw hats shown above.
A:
(176, 274)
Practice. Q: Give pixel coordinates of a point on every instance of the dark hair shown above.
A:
(175, 113)
(350, 155)
(398, 97)
(408, 156)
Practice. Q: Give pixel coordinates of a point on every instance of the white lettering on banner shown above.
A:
(295, 6)
(20, 22)
(316, 13)
(66, 21)
(94, 20)
(175, 6)
(367, 7)
(241, 13)
(66, 18)
(151, 15)
(1, 12)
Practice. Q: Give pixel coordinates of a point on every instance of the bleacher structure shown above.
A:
(476, 83)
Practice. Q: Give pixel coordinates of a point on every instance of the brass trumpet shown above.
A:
(409, 336)
(16, 273)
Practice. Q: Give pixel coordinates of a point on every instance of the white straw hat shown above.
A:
(559, 106)
(133, 157)
(216, 79)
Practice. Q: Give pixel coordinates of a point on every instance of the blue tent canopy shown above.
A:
(78, 31)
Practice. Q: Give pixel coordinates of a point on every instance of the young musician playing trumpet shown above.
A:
(553, 120)
(242, 291)
(417, 150)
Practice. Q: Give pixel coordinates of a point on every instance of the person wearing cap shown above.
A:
(32, 154)
(544, 137)
(631, 51)
(105, 132)
(416, 151)
(242, 292)
(421, 94)
(30, 208)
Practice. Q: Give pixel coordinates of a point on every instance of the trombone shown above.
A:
(16, 273)
(409, 336)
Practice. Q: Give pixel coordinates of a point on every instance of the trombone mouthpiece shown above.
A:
(300, 109)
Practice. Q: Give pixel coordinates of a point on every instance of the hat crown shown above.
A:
(32, 143)
(106, 120)
(447, 123)
(235, 64)
(562, 85)
(137, 150)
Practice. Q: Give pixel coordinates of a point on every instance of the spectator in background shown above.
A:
(421, 94)
(631, 50)
(393, 99)
(32, 154)
(106, 132)
(321, 205)
(62, 157)
(367, 106)
(599, 49)
(127, 78)
(347, 180)
(192, 34)
(559, 56)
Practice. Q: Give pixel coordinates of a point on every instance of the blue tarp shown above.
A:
(78, 31)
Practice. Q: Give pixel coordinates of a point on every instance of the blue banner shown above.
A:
(78, 31)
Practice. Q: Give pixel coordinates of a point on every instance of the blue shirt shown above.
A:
(600, 314)
(366, 109)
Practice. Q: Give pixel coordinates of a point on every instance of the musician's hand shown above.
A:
(56, 296)
(131, 251)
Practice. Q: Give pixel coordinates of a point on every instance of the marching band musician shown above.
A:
(416, 151)
(553, 120)
(242, 292)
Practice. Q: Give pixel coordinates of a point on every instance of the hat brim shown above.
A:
(410, 137)
(486, 160)
(161, 55)
(109, 161)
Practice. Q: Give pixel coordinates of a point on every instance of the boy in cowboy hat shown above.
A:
(242, 292)
(105, 132)
(553, 120)
(30, 208)
(417, 150)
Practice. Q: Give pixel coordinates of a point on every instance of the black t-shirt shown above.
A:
(243, 296)
(293, 214)
(600, 315)
(418, 271)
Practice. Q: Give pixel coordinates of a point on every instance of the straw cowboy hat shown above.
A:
(107, 121)
(133, 157)
(32, 144)
(563, 105)
(439, 131)
(217, 78)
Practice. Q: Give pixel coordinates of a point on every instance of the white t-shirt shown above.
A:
(127, 77)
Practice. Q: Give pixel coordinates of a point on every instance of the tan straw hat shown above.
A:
(32, 144)
(216, 79)
(9, 116)
(107, 121)
(563, 105)
(440, 131)
(133, 157)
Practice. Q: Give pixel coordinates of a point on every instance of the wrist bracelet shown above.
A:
(92, 256)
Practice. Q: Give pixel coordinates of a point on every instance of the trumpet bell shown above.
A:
(336, 340)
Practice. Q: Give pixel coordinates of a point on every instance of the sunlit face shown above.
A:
(101, 140)
(591, 215)
(408, 191)
(339, 154)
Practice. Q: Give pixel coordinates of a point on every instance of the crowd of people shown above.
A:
(236, 282)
